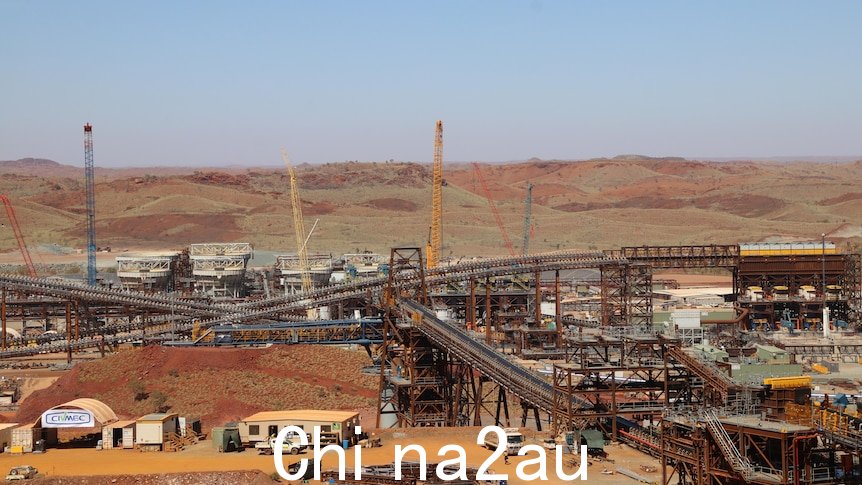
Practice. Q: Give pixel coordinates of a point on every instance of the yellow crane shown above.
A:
(435, 242)
(298, 225)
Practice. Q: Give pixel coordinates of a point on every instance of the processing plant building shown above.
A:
(147, 271)
(219, 269)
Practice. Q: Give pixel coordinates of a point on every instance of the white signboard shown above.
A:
(68, 418)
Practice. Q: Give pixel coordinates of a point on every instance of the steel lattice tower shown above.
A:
(90, 182)
(435, 237)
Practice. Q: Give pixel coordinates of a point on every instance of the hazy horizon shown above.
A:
(222, 83)
(280, 165)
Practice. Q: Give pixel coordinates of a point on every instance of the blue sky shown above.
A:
(218, 82)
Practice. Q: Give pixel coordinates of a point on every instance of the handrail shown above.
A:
(739, 463)
(213, 314)
(527, 385)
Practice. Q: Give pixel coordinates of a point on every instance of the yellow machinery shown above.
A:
(837, 421)
(794, 382)
(298, 224)
(820, 369)
(435, 243)
(833, 420)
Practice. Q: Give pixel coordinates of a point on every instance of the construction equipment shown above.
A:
(298, 224)
(514, 441)
(13, 221)
(435, 244)
(23, 472)
(90, 184)
(528, 219)
(506, 240)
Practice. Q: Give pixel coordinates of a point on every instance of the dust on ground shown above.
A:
(32, 379)
(692, 279)
(201, 457)
(254, 477)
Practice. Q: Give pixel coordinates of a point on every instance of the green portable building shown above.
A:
(226, 439)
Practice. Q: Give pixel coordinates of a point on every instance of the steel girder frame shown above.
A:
(626, 291)
(280, 308)
(423, 391)
(790, 271)
(853, 281)
(693, 456)
(415, 383)
(696, 458)
(476, 396)
(613, 292)
(640, 295)
(705, 256)
(683, 449)
(717, 389)
(501, 301)
(618, 377)
(94, 318)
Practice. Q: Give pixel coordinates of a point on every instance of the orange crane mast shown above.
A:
(506, 240)
(435, 238)
(13, 221)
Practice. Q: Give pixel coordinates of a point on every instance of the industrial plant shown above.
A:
(717, 384)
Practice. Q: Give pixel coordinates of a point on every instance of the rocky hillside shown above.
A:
(599, 203)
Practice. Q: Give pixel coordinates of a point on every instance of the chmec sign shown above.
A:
(68, 418)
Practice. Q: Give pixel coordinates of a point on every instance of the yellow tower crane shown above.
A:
(298, 225)
(435, 242)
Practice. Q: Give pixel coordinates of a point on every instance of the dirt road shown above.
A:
(201, 457)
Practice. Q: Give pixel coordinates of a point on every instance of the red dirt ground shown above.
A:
(318, 208)
(252, 477)
(181, 228)
(218, 385)
(393, 204)
(841, 198)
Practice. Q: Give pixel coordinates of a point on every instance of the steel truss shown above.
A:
(708, 447)
(611, 378)
(414, 379)
(626, 291)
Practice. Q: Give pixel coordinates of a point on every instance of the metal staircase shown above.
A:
(739, 463)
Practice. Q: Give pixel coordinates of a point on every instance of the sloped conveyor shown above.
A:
(517, 380)
(712, 375)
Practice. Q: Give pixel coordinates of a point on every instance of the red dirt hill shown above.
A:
(598, 203)
(218, 385)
